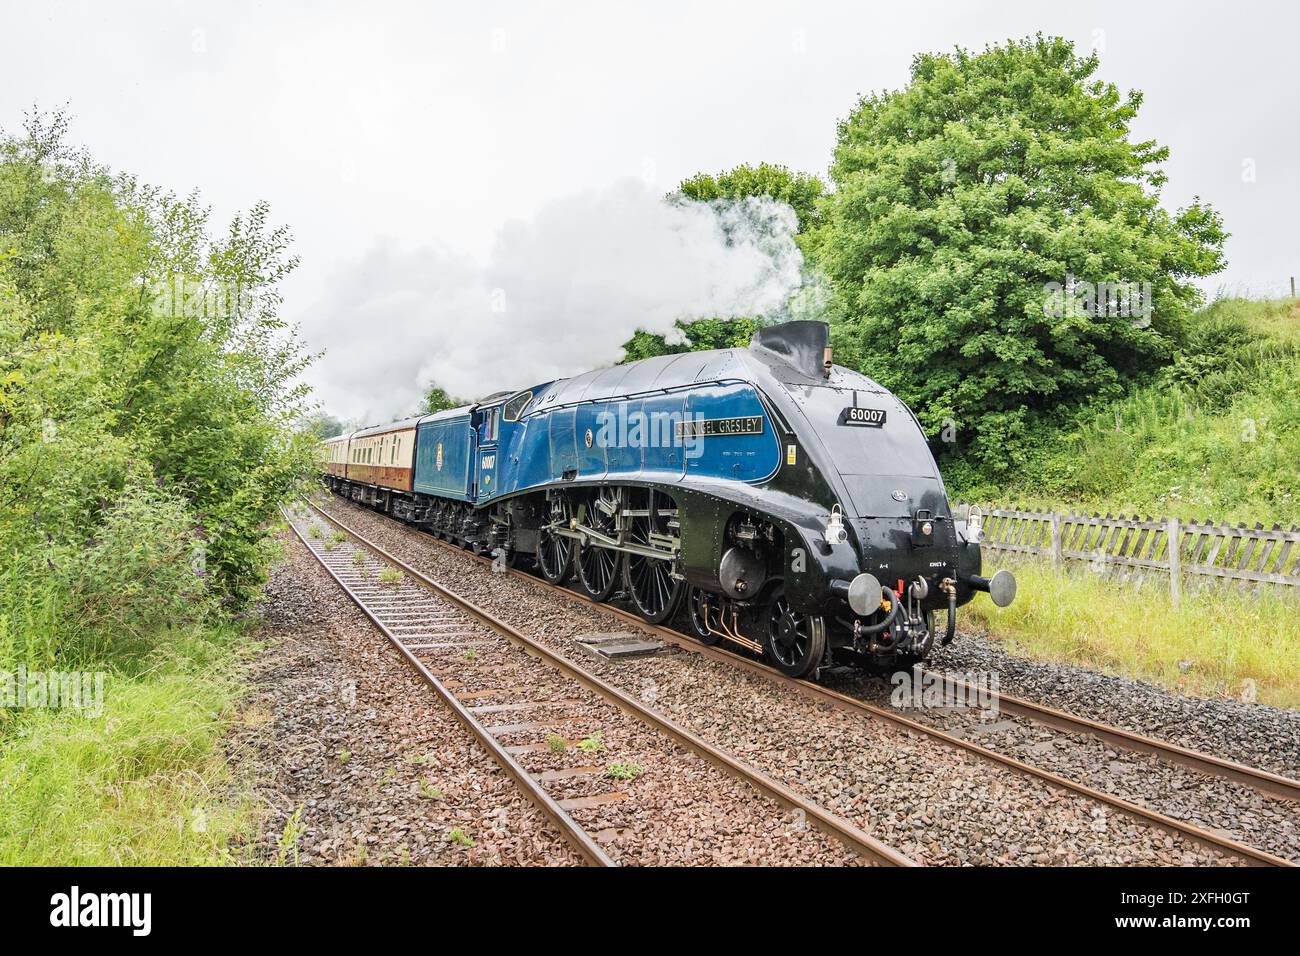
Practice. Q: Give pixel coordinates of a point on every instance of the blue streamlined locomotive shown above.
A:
(792, 506)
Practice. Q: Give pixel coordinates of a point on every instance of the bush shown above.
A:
(1218, 443)
(115, 598)
(130, 336)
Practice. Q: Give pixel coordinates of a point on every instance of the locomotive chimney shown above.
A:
(801, 345)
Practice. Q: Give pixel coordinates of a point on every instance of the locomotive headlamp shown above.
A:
(974, 524)
(835, 531)
(922, 528)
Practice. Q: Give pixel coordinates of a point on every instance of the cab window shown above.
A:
(515, 407)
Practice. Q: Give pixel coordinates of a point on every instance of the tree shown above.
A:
(989, 223)
(694, 337)
(800, 190)
(436, 399)
(144, 370)
(322, 425)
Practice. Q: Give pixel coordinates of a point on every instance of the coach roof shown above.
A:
(404, 424)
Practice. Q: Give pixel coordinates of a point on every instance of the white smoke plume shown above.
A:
(558, 296)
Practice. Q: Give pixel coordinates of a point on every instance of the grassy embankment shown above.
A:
(145, 781)
(1216, 437)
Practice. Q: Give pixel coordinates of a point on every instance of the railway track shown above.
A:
(436, 630)
(1264, 781)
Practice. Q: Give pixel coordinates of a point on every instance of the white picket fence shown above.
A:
(1257, 555)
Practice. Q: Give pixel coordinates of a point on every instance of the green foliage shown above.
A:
(556, 744)
(150, 410)
(132, 339)
(436, 399)
(1215, 435)
(694, 337)
(592, 742)
(960, 198)
(145, 782)
(800, 191)
(1217, 643)
(459, 837)
(322, 426)
(288, 841)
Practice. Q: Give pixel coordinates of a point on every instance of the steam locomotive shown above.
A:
(776, 501)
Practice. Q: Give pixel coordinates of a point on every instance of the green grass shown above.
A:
(460, 838)
(623, 771)
(1211, 646)
(145, 782)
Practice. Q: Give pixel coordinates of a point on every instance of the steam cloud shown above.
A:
(558, 296)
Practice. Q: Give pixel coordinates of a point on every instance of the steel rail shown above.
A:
(1264, 781)
(845, 703)
(830, 823)
(581, 841)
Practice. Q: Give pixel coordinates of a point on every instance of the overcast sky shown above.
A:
(465, 179)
